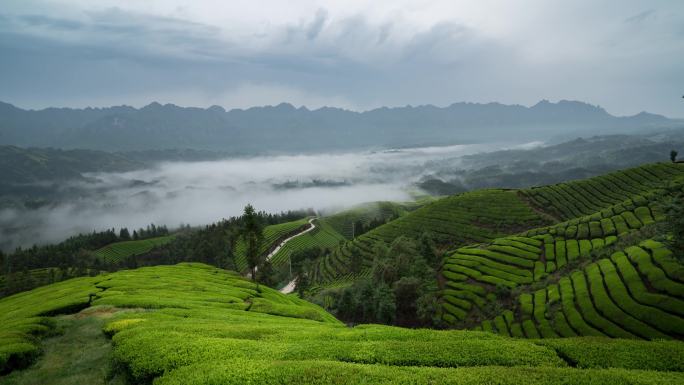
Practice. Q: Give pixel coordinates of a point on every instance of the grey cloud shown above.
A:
(641, 17)
(52, 23)
(315, 27)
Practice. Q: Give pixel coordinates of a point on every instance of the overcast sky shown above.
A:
(624, 55)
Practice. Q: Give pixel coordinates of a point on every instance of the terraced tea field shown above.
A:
(636, 293)
(195, 324)
(118, 251)
(473, 273)
(586, 197)
(478, 216)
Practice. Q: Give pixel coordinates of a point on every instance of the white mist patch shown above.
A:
(198, 193)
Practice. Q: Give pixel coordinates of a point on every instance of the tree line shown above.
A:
(212, 244)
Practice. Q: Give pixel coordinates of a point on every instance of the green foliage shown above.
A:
(400, 291)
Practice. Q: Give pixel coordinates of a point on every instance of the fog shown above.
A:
(199, 193)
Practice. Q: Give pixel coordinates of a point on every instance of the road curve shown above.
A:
(289, 288)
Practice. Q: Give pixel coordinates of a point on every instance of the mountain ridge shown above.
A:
(284, 127)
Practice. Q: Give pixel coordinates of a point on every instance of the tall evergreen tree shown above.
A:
(252, 234)
(124, 234)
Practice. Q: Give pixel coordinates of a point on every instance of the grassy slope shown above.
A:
(188, 325)
(119, 250)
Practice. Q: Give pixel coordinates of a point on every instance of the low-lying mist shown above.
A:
(198, 193)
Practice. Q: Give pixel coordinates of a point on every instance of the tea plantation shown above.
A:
(195, 324)
(571, 278)
(572, 283)
(117, 251)
(478, 216)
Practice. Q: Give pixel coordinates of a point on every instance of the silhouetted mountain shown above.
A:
(286, 128)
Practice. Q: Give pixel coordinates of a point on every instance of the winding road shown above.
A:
(289, 288)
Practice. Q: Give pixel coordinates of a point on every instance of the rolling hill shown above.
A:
(557, 277)
(572, 259)
(196, 324)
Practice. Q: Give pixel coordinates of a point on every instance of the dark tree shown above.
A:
(252, 234)
(124, 234)
(673, 156)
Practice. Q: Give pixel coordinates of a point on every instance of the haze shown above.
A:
(199, 193)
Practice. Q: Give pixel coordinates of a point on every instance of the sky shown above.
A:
(624, 55)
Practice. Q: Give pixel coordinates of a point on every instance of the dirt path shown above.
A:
(79, 355)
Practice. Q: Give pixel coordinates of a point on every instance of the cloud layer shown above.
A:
(200, 193)
(624, 55)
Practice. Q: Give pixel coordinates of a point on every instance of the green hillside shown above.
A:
(546, 282)
(635, 293)
(118, 251)
(343, 222)
(195, 324)
(29, 279)
(478, 216)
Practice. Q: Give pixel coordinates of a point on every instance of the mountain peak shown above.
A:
(152, 106)
(216, 108)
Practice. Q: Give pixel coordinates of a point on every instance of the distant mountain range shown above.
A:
(284, 128)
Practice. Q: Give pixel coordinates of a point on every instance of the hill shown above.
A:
(115, 252)
(284, 128)
(507, 257)
(477, 216)
(195, 324)
(578, 264)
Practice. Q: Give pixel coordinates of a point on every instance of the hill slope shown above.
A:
(477, 216)
(530, 276)
(195, 324)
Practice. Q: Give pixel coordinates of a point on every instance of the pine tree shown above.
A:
(252, 234)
